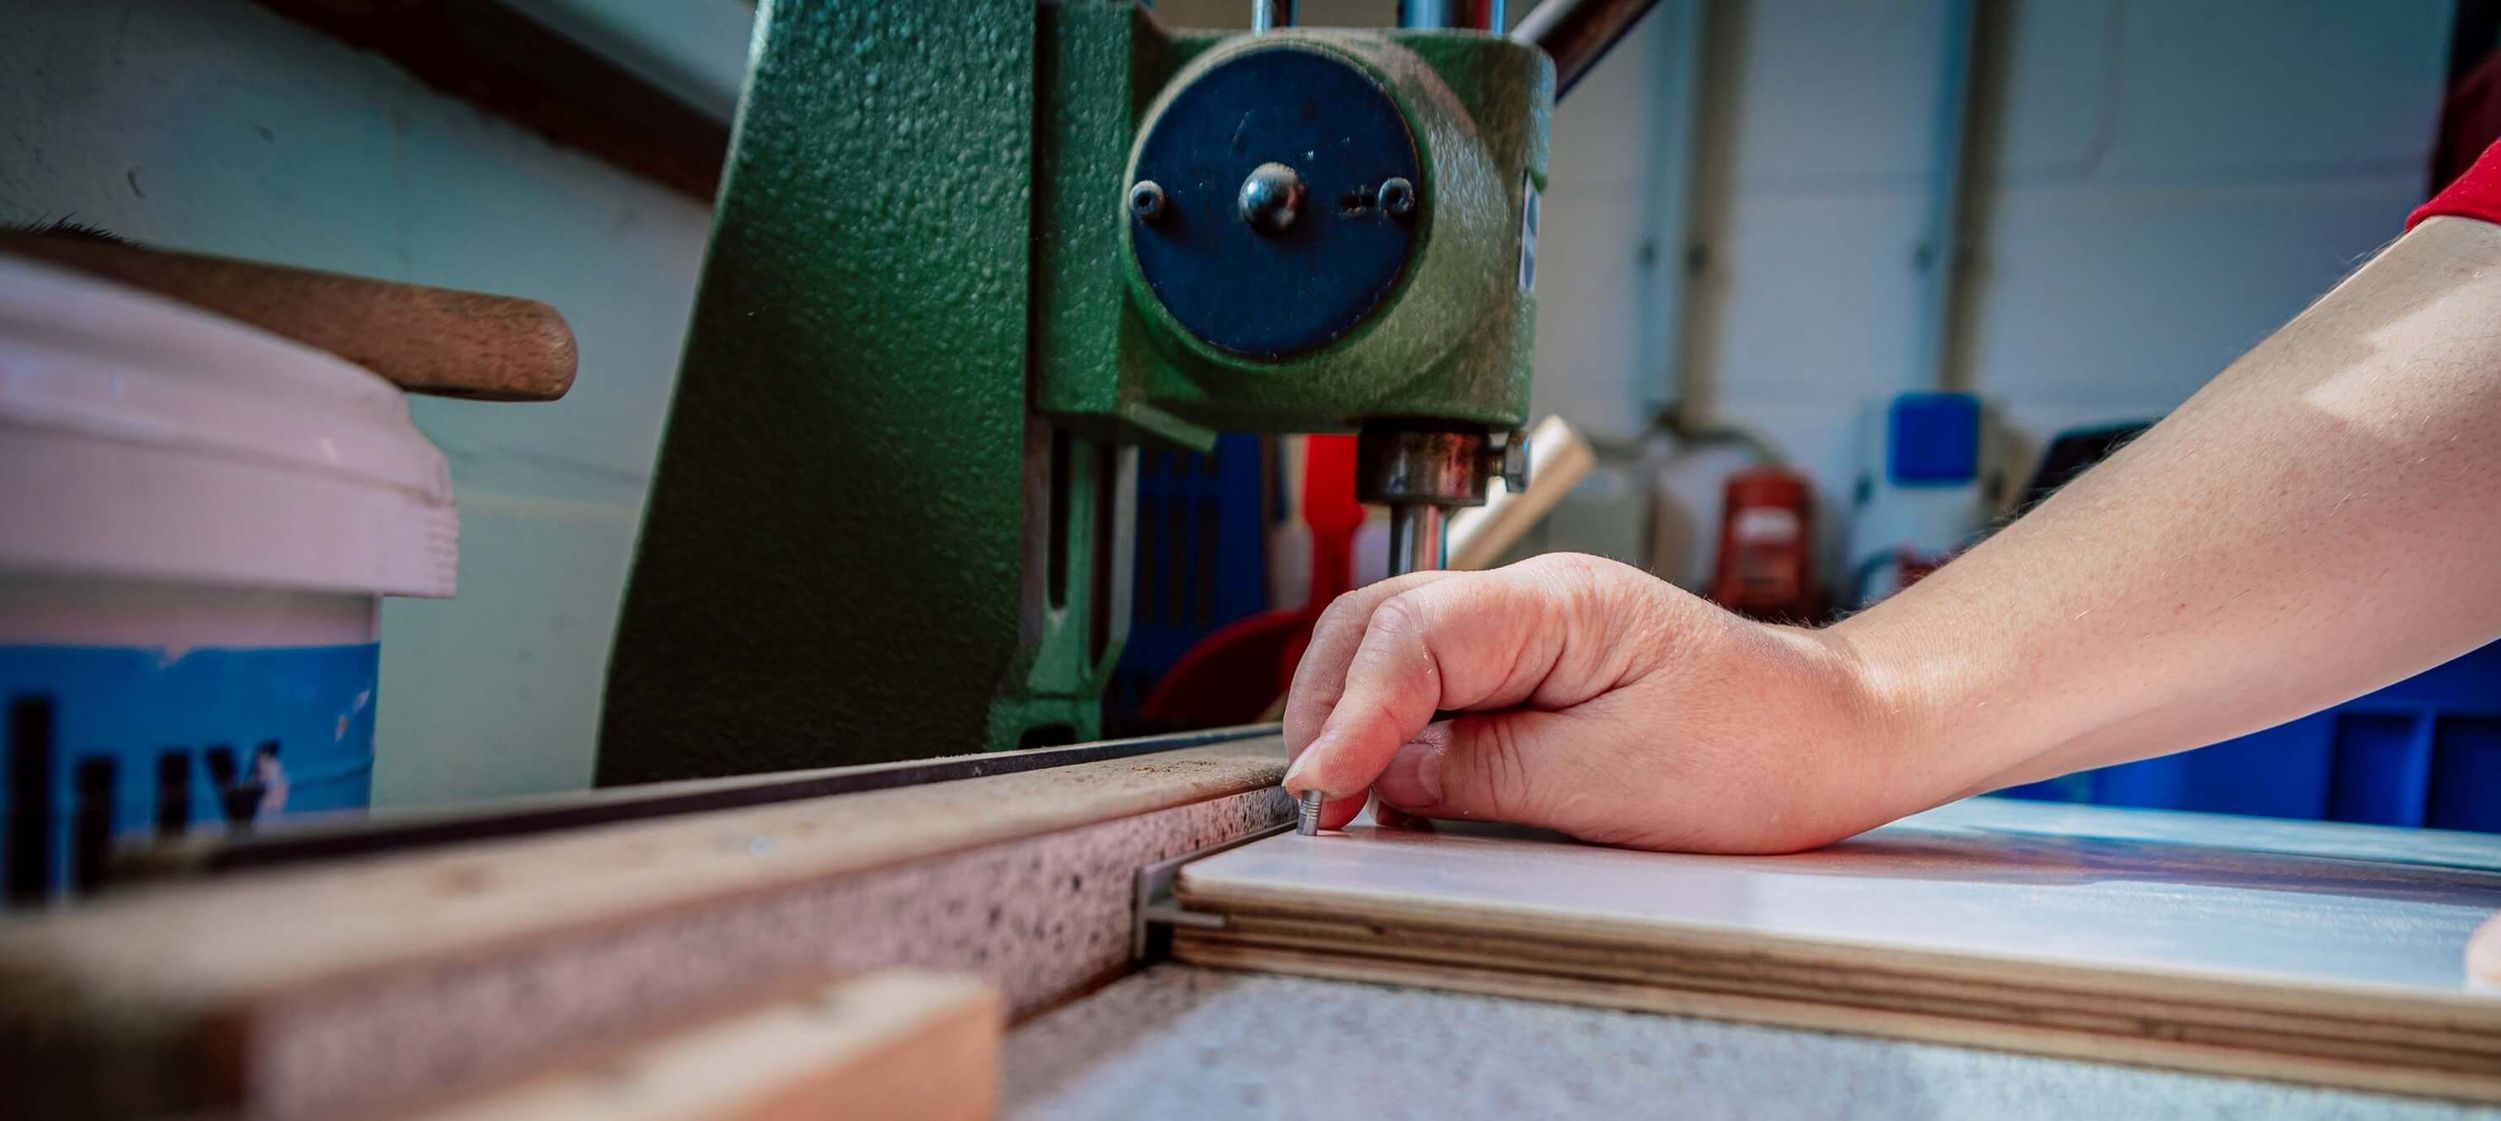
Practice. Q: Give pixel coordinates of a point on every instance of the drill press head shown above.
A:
(1277, 168)
(1334, 230)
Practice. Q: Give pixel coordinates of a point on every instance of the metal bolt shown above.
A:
(1307, 813)
(1509, 462)
(1272, 198)
(1146, 200)
(1397, 197)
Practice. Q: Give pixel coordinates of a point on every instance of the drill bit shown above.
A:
(1307, 816)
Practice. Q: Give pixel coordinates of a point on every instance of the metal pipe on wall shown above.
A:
(1466, 15)
(1938, 256)
(1268, 15)
(1669, 224)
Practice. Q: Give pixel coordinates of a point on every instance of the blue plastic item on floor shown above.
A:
(2425, 751)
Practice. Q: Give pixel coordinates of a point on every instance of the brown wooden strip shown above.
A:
(893, 1046)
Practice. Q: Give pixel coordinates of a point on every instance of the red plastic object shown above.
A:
(1231, 676)
(1767, 546)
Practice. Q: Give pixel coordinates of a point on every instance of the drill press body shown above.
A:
(968, 257)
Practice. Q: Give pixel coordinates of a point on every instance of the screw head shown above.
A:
(1509, 462)
(1397, 198)
(1146, 200)
(1272, 198)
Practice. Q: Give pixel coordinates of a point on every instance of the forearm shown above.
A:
(2322, 519)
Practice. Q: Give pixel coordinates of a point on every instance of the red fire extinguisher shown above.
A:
(1767, 547)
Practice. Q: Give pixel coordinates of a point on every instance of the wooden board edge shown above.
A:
(2289, 1036)
(2052, 1043)
(1772, 968)
(2461, 1011)
(904, 1045)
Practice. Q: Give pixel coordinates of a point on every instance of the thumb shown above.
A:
(1500, 767)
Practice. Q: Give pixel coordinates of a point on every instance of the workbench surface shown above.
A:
(1206, 1045)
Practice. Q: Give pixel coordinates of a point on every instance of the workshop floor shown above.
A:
(1205, 1045)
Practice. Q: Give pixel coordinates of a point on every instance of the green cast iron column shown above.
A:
(830, 561)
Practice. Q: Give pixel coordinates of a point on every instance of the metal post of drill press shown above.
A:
(1417, 538)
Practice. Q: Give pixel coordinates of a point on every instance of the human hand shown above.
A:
(1593, 698)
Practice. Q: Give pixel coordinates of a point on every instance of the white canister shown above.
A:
(197, 522)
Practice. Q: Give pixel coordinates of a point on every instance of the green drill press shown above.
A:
(968, 256)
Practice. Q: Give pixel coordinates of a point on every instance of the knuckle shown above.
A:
(1577, 579)
(1580, 565)
(1499, 772)
(1557, 566)
(1402, 615)
(1344, 611)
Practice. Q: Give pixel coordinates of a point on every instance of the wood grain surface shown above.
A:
(901, 1045)
(425, 340)
(1982, 928)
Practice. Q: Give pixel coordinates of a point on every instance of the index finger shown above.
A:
(1474, 640)
(1321, 675)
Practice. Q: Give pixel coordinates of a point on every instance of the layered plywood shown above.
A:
(2010, 926)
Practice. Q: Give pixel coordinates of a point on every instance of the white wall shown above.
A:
(2179, 179)
(2175, 179)
(217, 126)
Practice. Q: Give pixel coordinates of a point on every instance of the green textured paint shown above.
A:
(1454, 339)
(829, 568)
(919, 287)
(1073, 631)
(1098, 63)
(1091, 57)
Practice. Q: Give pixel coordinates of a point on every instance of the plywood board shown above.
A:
(895, 1046)
(1988, 929)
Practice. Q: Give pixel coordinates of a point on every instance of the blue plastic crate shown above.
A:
(1202, 559)
(2425, 751)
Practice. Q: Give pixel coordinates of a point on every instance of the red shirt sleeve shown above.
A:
(2476, 194)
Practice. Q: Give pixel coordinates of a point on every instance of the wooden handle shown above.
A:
(425, 340)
